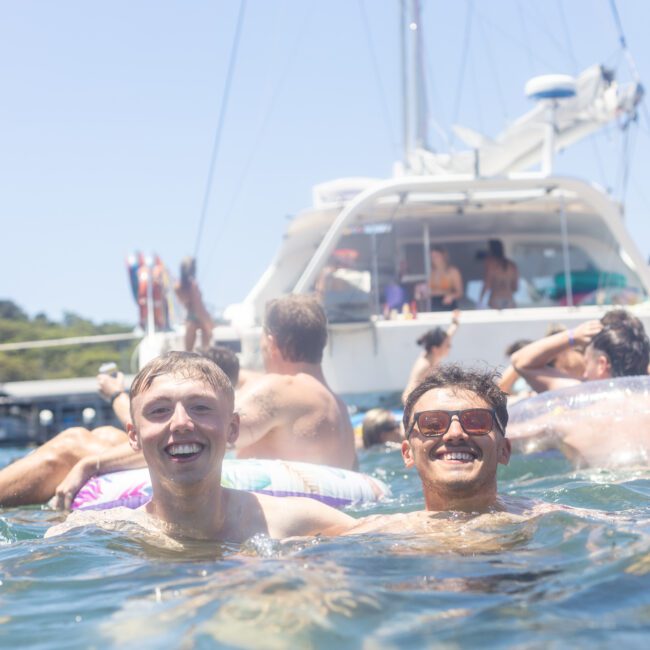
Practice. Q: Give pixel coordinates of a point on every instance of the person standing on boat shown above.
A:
(501, 278)
(436, 344)
(197, 317)
(445, 282)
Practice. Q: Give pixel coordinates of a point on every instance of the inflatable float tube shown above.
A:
(604, 396)
(333, 486)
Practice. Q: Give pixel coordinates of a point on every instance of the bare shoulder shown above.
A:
(295, 516)
(113, 519)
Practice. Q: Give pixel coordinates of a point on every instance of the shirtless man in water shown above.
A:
(615, 346)
(291, 412)
(455, 423)
(182, 419)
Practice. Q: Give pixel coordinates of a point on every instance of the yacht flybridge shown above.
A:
(567, 237)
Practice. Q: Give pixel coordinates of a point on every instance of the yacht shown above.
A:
(566, 235)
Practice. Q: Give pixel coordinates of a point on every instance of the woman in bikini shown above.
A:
(445, 282)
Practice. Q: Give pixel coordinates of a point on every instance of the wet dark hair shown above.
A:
(624, 340)
(227, 360)
(299, 326)
(620, 317)
(495, 248)
(432, 339)
(472, 380)
(515, 346)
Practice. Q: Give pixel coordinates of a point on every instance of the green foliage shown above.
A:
(57, 362)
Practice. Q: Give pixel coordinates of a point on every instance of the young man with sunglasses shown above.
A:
(455, 423)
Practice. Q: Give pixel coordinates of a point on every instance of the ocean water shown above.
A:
(561, 579)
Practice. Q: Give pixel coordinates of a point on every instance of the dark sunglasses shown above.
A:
(474, 422)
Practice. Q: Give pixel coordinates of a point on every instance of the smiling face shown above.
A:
(182, 426)
(455, 468)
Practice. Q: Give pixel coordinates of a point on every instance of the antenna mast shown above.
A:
(414, 101)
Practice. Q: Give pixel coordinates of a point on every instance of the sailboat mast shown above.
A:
(419, 96)
(414, 104)
(404, 23)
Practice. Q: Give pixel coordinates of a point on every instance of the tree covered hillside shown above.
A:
(57, 362)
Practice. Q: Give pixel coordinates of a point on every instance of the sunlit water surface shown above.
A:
(556, 580)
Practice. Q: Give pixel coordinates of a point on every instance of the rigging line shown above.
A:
(631, 63)
(628, 56)
(567, 36)
(541, 25)
(461, 76)
(522, 44)
(475, 92)
(576, 69)
(376, 70)
(629, 143)
(524, 30)
(259, 134)
(431, 87)
(222, 113)
(495, 70)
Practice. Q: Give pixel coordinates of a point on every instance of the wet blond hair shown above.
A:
(186, 365)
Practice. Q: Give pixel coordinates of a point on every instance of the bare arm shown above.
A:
(508, 379)
(114, 460)
(302, 516)
(531, 361)
(112, 388)
(453, 326)
(487, 281)
(515, 278)
(259, 410)
(419, 371)
(456, 284)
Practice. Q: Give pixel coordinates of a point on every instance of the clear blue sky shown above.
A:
(109, 110)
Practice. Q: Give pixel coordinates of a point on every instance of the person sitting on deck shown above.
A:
(182, 420)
